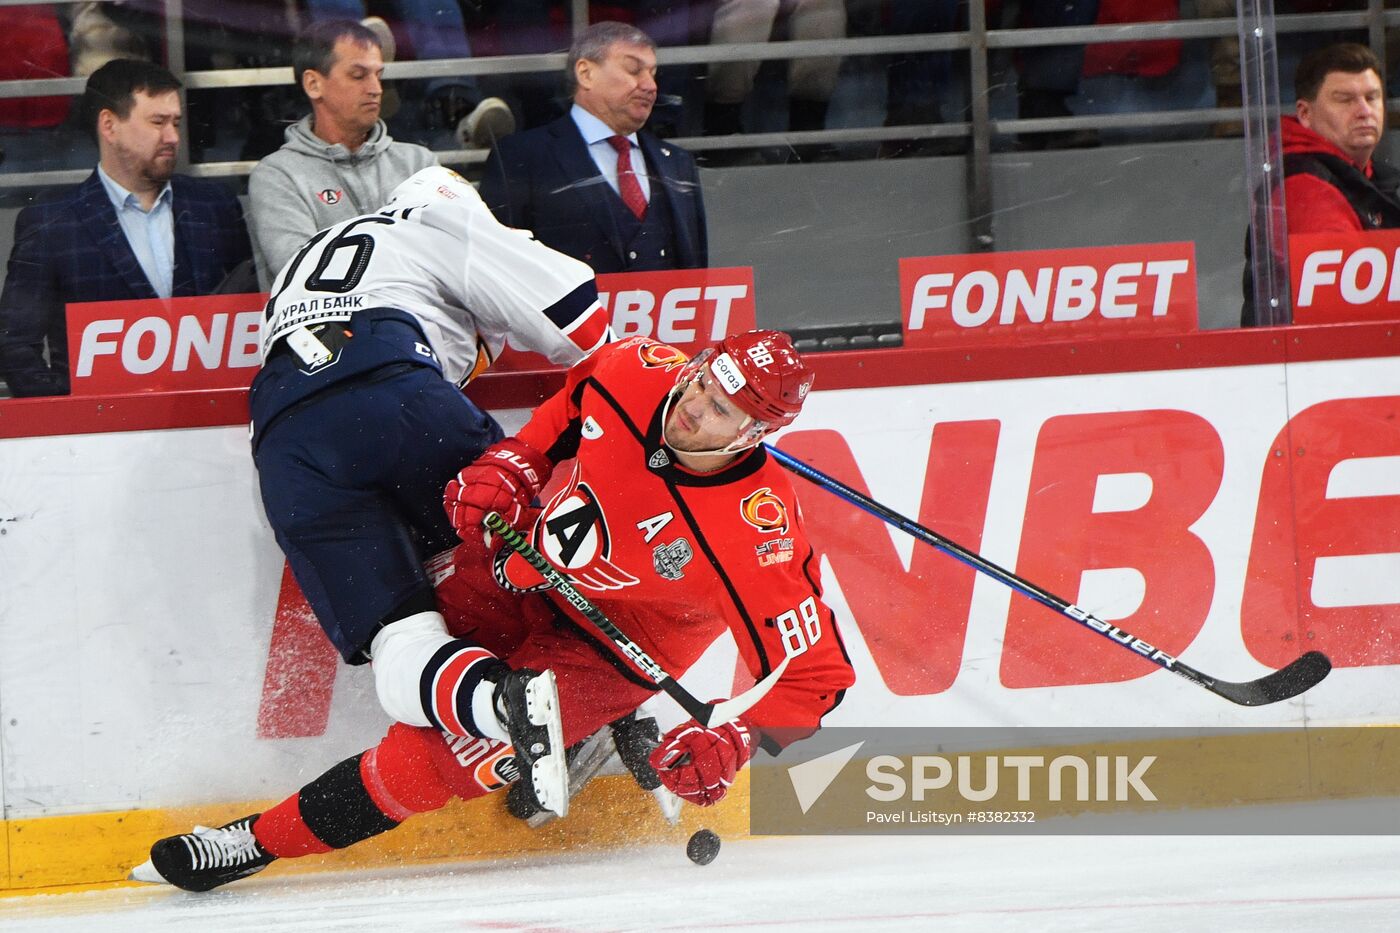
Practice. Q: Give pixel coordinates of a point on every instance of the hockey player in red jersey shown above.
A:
(671, 519)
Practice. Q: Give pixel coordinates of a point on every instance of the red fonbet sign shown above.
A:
(116, 347)
(687, 308)
(1341, 277)
(1052, 294)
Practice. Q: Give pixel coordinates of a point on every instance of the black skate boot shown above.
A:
(205, 858)
(583, 760)
(527, 703)
(624, 743)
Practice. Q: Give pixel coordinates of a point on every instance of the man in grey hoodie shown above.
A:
(337, 163)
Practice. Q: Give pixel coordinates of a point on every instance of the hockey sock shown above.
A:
(425, 677)
(456, 689)
(359, 798)
(332, 812)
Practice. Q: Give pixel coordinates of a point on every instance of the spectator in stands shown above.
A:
(1049, 75)
(1224, 65)
(1332, 183)
(913, 80)
(133, 229)
(593, 184)
(36, 30)
(535, 27)
(680, 87)
(428, 29)
(526, 27)
(811, 81)
(95, 38)
(339, 161)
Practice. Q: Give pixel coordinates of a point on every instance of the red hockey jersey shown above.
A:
(673, 557)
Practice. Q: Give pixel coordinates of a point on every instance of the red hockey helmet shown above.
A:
(763, 375)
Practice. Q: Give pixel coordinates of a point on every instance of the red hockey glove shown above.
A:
(698, 763)
(506, 479)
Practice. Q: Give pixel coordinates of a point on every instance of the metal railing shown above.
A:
(977, 40)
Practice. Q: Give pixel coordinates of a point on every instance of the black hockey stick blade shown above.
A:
(1299, 675)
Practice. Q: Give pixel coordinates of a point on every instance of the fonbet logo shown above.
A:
(1358, 279)
(678, 315)
(1055, 293)
(153, 343)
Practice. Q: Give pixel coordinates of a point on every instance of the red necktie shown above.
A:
(627, 184)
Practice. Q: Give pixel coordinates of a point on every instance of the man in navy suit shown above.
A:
(133, 229)
(592, 183)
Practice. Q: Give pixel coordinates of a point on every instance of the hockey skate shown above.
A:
(625, 743)
(527, 703)
(205, 858)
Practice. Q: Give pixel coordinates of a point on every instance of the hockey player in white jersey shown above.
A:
(359, 423)
(437, 254)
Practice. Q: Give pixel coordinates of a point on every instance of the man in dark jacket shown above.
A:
(133, 229)
(593, 184)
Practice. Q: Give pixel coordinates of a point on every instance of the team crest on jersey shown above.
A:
(572, 533)
(660, 356)
(514, 573)
(765, 511)
(669, 560)
(777, 551)
(330, 195)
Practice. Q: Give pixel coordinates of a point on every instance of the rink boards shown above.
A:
(1232, 497)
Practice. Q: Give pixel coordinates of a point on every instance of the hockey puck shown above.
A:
(702, 847)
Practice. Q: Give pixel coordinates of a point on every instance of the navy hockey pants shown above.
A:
(352, 482)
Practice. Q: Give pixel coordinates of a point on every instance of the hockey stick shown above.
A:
(1297, 676)
(704, 713)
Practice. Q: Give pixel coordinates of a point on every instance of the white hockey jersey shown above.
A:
(471, 283)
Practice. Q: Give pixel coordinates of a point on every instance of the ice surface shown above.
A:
(1142, 884)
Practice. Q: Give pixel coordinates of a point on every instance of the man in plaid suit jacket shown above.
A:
(133, 229)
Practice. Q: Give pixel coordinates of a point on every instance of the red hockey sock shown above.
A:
(359, 798)
(282, 831)
(399, 774)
